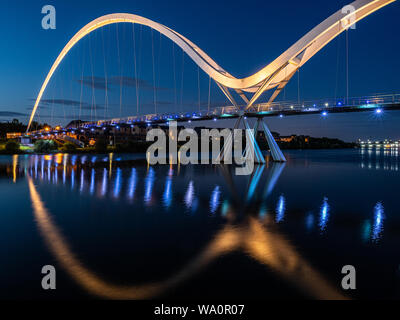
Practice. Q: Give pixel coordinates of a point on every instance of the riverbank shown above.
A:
(141, 147)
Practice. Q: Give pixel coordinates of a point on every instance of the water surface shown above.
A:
(115, 228)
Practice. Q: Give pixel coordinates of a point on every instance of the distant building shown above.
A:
(287, 138)
(20, 137)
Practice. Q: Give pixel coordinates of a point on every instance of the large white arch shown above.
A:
(276, 74)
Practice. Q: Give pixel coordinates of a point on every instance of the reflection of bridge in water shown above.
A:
(259, 239)
(255, 234)
(131, 182)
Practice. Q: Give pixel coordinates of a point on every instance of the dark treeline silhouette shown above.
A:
(16, 126)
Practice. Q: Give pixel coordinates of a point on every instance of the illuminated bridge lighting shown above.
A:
(324, 114)
(378, 111)
(280, 209)
(324, 215)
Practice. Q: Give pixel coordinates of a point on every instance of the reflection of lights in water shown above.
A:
(149, 186)
(110, 160)
(189, 196)
(65, 168)
(366, 231)
(59, 158)
(324, 215)
(214, 201)
(167, 196)
(280, 209)
(49, 171)
(309, 221)
(263, 211)
(36, 166)
(104, 183)
(270, 249)
(132, 184)
(15, 164)
(254, 181)
(72, 178)
(82, 180)
(378, 222)
(42, 168)
(92, 179)
(56, 176)
(225, 208)
(117, 185)
(73, 160)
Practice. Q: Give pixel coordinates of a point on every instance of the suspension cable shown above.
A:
(347, 66)
(82, 73)
(136, 77)
(91, 67)
(284, 88)
(298, 86)
(154, 76)
(209, 93)
(120, 75)
(174, 72)
(183, 70)
(105, 76)
(140, 57)
(337, 66)
(198, 87)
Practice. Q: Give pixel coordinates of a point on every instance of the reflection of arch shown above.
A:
(267, 247)
(276, 74)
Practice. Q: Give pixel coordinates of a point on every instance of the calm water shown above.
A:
(114, 228)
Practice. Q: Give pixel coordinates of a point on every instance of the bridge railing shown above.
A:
(275, 107)
(364, 101)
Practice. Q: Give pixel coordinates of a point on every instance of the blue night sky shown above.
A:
(241, 36)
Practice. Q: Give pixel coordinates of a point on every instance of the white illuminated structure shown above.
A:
(274, 76)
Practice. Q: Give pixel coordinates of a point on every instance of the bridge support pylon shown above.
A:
(276, 152)
(252, 152)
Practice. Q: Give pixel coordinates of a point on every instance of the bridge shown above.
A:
(273, 78)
